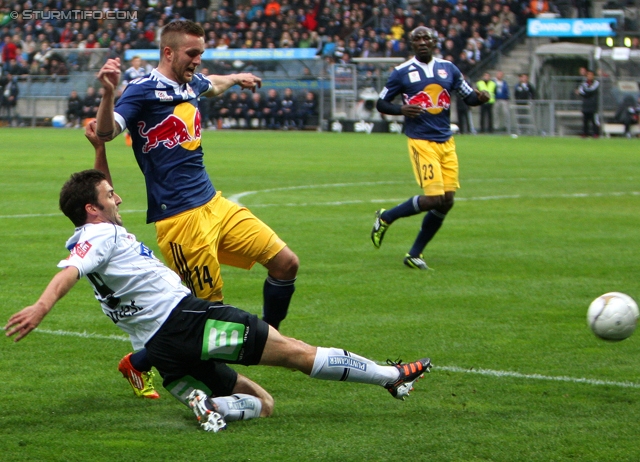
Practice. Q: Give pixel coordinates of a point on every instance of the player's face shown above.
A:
(186, 58)
(423, 41)
(109, 201)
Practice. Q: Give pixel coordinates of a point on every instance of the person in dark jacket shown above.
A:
(588, 91)
(74, 110)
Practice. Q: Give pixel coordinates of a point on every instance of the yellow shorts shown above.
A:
(194, 244)
(435, 165)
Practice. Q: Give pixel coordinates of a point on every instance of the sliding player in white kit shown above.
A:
(183, 335)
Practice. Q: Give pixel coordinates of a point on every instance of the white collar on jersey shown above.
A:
(184, 89)
(427, 68)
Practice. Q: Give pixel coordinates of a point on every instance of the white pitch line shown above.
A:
(518, 375)
(236, 197)
(59, 214)
(85, 334)
(458, 199)
(485, 372)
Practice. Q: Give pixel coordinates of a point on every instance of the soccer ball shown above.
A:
(613, 316)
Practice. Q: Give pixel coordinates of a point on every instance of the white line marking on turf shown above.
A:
(85, 334)
(552, 378)
(236, 197)
(59, 214)
(462, 199)
(485, 372)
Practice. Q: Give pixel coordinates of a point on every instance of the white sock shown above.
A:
(238, 407)
(337, 364)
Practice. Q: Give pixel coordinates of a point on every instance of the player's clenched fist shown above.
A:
(109, 74)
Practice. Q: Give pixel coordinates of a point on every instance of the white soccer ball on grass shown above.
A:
(613, 316)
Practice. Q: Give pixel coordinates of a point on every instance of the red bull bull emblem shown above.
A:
(170, 132)
(434, 99)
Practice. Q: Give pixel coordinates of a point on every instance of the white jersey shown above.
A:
(136, 290)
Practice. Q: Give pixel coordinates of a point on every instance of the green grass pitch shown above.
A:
(541, 227)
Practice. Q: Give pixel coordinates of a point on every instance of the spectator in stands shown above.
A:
(463, 110)
(627, 113)
(308, 114)
(400, 50)
(9, 51)
(272, 8)
(507, 13)
(463, 63)
(539, 6)
(91, 42)
(486, 110)
(40, 58)
(134, 71)
(503, 119)
(74, 110)
(90, 104)
(57, 66)
(239, 112)
(68, 33)
(9, 98)
(228, 110)
(17, 67)
(272, 106)
(254, 116)
(524, 91)
(588, 91)
(288, 111)
(51, 33)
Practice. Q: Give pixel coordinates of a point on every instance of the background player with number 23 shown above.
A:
(425, 84)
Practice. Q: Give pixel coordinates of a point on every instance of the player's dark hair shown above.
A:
(81, 189)
(172, 31)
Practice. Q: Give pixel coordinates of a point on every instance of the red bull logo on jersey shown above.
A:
(433, 98)
(183, 128)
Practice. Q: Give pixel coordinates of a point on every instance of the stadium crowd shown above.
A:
(338, 29)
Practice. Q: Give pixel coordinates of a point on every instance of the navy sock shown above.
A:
(277, 297)
(140, 361)
(430, 226)
(406, 209)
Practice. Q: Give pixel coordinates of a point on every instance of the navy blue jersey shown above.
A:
(429, 85)
(163, 119)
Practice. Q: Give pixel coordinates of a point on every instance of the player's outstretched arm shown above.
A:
(27, 319)
(109, 75)
(100, 163)
(477, 98)
(221, 83)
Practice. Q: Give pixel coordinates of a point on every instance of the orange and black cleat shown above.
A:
(409, 373)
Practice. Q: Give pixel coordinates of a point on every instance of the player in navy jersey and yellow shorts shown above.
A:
(425, 84)
(191, 240)
(197, 229)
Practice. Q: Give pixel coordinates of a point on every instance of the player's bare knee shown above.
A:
(427, 203)
(268, 404)
(446, 206)
(284, 265)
